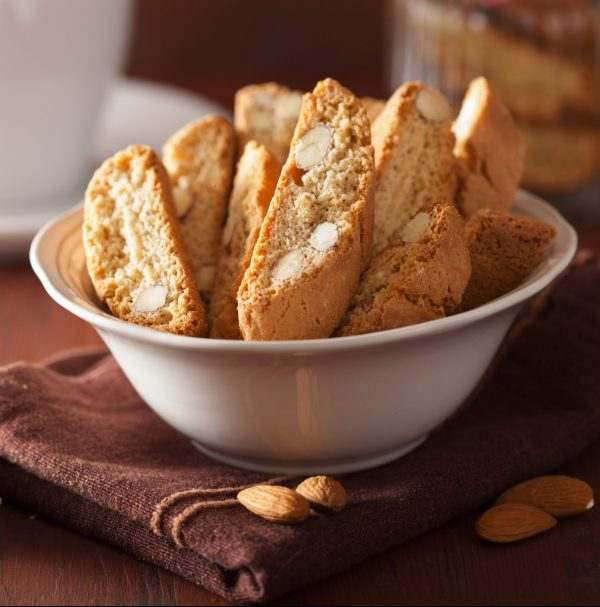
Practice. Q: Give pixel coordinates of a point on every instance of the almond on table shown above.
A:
(134, 250)
(316, 236)
(253, 189)
(507, 523)
(200, 161)
(558, 495)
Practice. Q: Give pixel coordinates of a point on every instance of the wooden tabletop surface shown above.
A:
(43, 563)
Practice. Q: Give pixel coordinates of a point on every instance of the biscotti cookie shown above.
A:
(253, 189)
(413, 158)
(505, 249)
(422, 277)
(316, 237)
(134, 251)
(268, 113)
(373, 106)
(489, 151)
(200, 159)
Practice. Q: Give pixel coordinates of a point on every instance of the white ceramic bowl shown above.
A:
(326, 405)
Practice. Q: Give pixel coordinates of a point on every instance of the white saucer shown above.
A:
(136, 112)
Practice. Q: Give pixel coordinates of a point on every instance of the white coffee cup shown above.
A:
(57, 60)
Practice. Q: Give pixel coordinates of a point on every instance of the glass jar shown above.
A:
(542, 58)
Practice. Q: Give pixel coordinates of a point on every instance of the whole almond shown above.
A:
(323, 492)
(560, 496)
(512, 522)
(274, 503)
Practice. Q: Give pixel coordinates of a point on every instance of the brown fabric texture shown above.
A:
(78, 446)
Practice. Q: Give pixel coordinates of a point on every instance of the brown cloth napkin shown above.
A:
(80, 447)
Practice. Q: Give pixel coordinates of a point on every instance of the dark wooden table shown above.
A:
(42, 563)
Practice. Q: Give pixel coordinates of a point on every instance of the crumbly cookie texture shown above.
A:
(413, 158)
(373, 106)
(489, 150)
(200, 160)
(316, 238)
(505, 249)
(268, 113)
(253, 188)
(134, 250)
(419, 278)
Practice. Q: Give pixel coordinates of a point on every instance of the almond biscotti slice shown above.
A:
(133, 247)
(489, 150)
(268, 113)
(413, 144)
(200, 161)
(253, 188)
(316, 237)
(421, 277)
(505, 249)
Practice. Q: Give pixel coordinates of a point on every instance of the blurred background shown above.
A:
(216, 46)
(543, 57)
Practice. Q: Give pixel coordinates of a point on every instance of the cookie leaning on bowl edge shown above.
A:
(134, 250)
(253, 187)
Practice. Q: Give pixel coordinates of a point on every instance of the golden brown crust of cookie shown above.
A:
(310, 302)
(412, 282)
(413, 159)
(253, 189)
(505, 249)
(200, 161)
(489, 150)
(132, 242)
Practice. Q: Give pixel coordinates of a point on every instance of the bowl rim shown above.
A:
(44, 266)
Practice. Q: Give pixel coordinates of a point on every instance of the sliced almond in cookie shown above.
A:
(312, 148)
(150, 299)
(433, 106)
(288, 266)
(324, 236)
